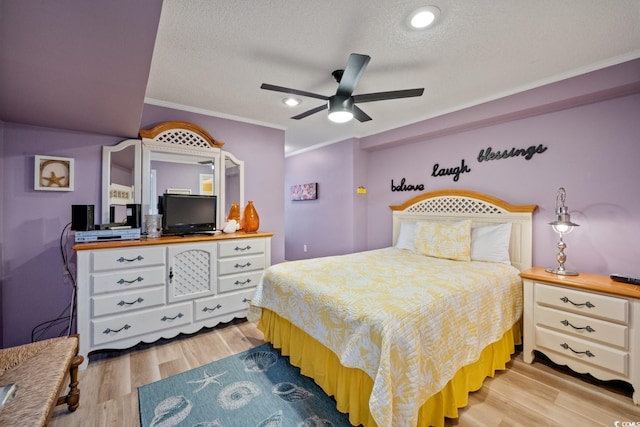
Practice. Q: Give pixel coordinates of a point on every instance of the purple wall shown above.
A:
(592, 151)
(334, 223)
(34, 286)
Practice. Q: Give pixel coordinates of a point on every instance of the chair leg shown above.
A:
(73, 398)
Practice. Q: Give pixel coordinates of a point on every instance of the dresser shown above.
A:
(142, 290)
(587, 322)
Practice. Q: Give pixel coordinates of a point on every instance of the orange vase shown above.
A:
(234, 212)
(250, 218)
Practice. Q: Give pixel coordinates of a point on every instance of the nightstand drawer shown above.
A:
(584, 351)
(585, 303)
(585, 327)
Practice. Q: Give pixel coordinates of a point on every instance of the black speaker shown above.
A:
(133, 215)
(82, 217)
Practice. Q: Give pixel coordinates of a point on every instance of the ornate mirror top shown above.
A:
(177, 133)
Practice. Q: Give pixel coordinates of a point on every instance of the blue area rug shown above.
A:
(255, 388)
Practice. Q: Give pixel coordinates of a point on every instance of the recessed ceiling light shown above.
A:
(291, 102)
(423, 17)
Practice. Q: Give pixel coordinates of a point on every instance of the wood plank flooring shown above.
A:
(539, 394)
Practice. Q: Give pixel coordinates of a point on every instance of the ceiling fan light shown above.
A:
(340, 116)
(340, 109)
(423, 17)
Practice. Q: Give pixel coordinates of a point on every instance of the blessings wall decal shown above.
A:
(485, 155)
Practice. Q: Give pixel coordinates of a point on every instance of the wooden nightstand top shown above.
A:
(586, 281)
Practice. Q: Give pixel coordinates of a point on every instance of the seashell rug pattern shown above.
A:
(254, 388)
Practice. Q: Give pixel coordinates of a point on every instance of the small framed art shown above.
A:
(53, 173)
(206, 184)
(304, 191)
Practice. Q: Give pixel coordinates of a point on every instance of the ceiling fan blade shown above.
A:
(394, 94)
(310, 112)
(292, 91)
(352, 73)
(360, 115)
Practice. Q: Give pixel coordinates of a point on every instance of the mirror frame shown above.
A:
(106, 173)
(185, 139)
(223, 182)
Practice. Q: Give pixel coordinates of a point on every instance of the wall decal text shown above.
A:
(406, 187)
(450, 171)
(527, 153)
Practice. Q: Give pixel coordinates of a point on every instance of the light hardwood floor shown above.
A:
(523, 395)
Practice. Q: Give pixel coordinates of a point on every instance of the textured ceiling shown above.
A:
(212, 56)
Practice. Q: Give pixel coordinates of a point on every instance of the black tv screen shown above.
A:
(187, 214)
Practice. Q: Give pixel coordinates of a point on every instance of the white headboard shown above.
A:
(481, 209)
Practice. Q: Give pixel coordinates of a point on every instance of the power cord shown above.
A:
(41, 329)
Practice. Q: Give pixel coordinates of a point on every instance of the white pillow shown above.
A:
(407, 236)
(491, 243)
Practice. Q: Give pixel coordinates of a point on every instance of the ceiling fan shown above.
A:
(342, 106)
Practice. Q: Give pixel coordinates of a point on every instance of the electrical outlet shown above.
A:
(304, 248)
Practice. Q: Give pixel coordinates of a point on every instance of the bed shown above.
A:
(400, 335)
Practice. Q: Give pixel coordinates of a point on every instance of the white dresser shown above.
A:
(142, 290)
(586, 322)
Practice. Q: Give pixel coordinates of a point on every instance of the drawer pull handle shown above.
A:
(123, 259)
(587, 352)
(211, 309)
(246, 300)
(248, 264)
(165, 318)
(587, 328)
(586, 304)
(123, 302)
(238, 248)
(127, 282)
(109, 330)
(239, 283)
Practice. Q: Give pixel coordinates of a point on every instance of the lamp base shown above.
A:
(562, 271)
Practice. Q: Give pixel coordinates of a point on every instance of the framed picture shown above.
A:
(206, 184)
(53, 173)
(304, 191)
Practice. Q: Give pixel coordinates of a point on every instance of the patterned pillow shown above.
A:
(450, 240)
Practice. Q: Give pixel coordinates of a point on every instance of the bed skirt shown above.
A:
(351, 387)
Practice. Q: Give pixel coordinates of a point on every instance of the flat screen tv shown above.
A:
(187, 214)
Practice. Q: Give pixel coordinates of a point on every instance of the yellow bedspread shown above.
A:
(408, 321)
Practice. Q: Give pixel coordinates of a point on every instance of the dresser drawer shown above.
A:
(588, 304)
(240, 264)
(127, 279)
(112, 259)
(240, 247)
(219, 305)
(584, 351)
(127, 301)
(115, 328)
(583, 326)
(236, 282)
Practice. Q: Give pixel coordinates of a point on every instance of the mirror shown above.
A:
(232, 180)
(121, 183)
(177, 157)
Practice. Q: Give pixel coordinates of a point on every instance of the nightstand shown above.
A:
(587, 322)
